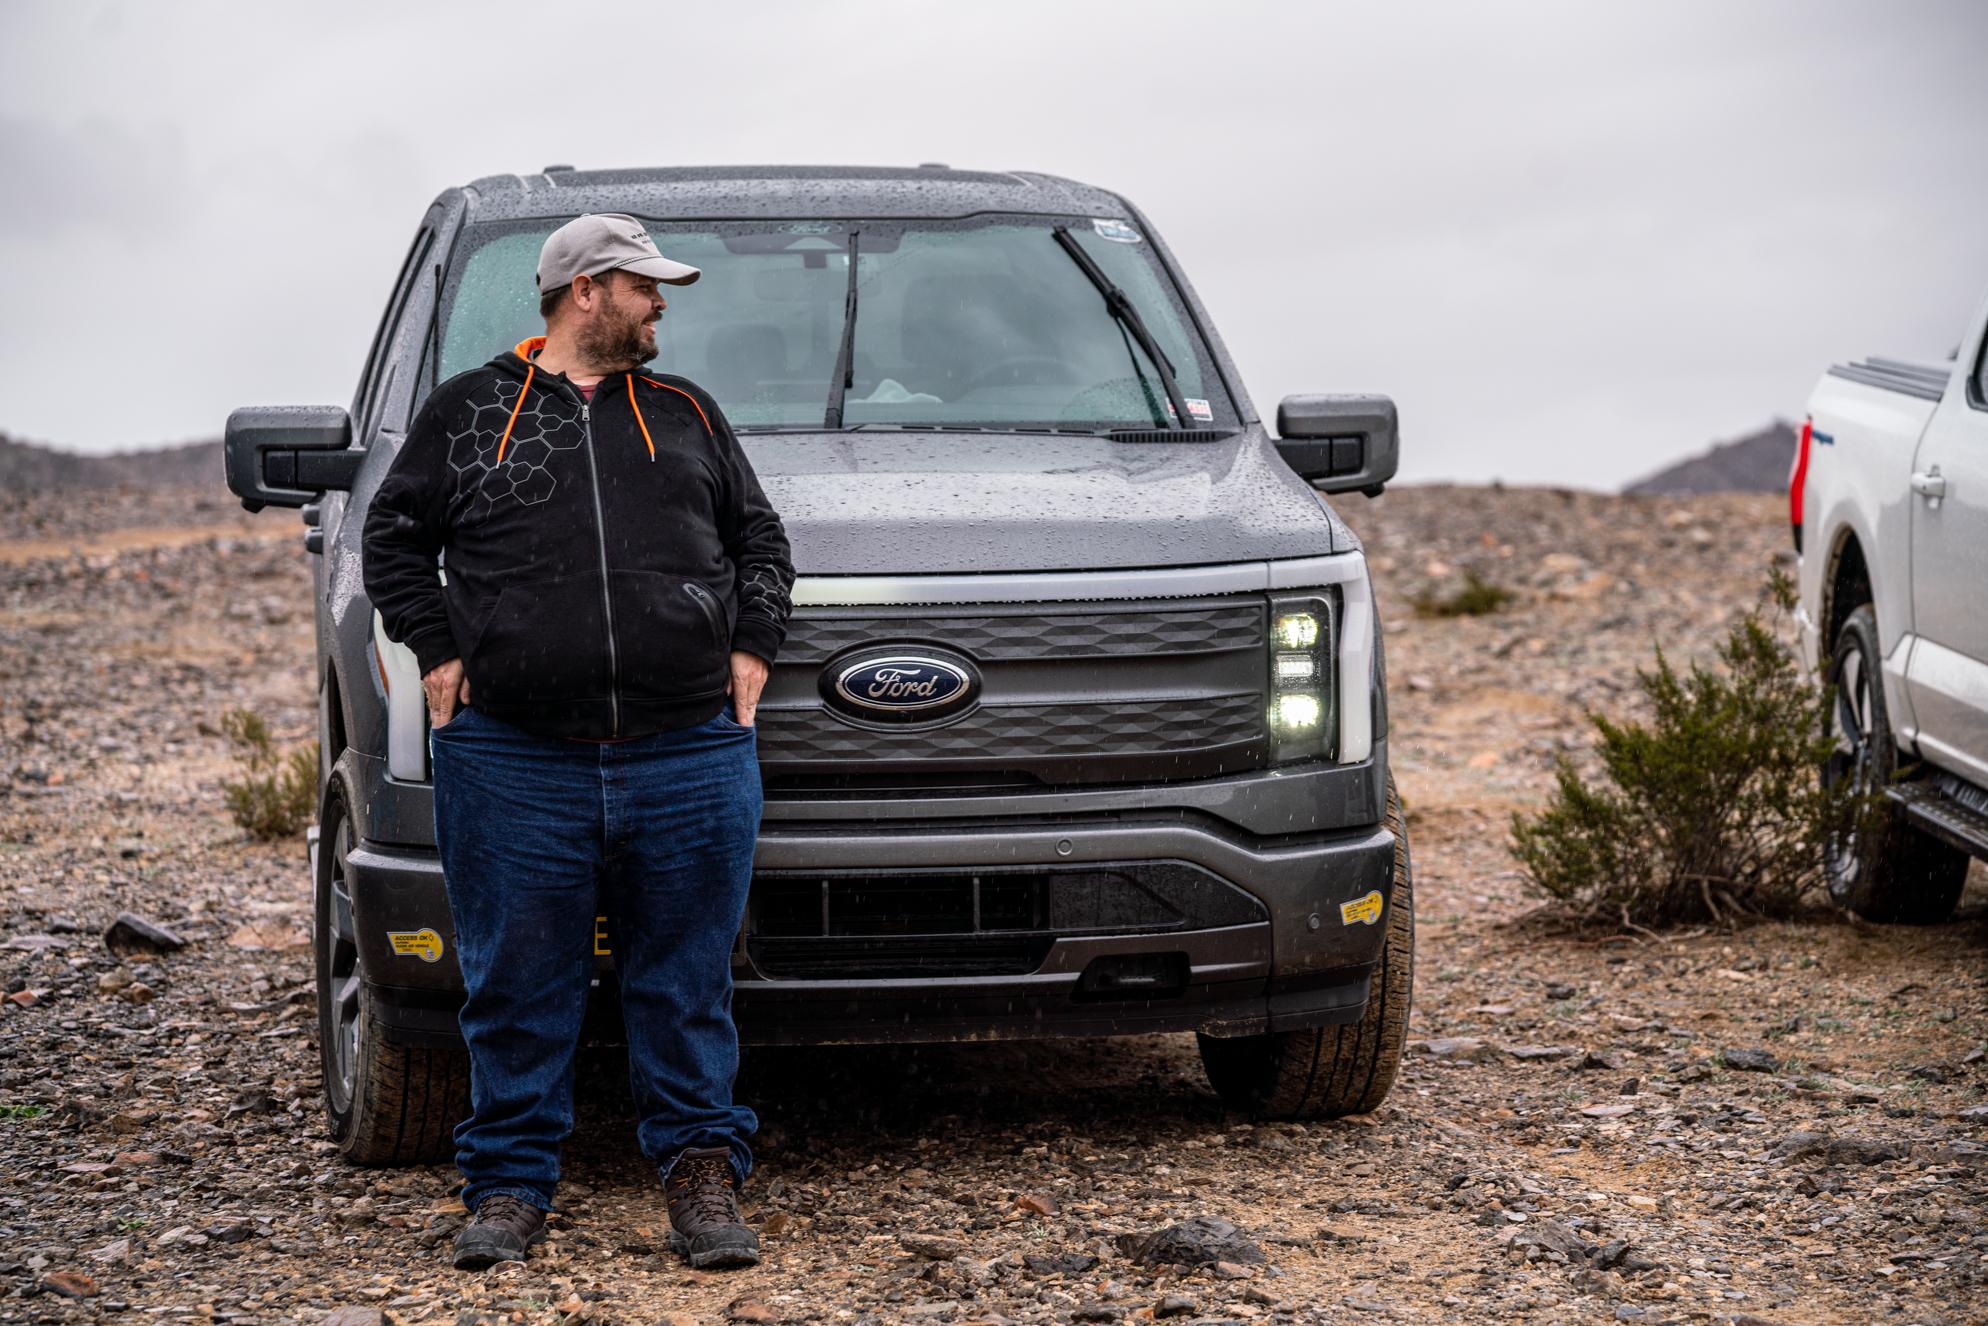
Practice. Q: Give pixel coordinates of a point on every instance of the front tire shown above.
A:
(386, 1104)
(1882, 868)
(1327, 1072)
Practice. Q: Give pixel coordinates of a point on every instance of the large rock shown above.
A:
(131, 932)
(1460, 1049)
(1200, 1241)
(1750, 1060)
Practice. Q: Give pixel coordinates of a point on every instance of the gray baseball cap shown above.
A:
(603, 241)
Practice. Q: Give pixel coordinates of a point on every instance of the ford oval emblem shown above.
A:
(901, 685)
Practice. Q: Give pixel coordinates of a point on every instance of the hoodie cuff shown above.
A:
(758, 637)
(433, 647)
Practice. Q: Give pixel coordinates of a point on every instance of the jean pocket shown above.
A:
(455, 719)
(670, 637)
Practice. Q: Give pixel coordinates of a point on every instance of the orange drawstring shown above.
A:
(687, 396)
(630, 379)
(504, 441)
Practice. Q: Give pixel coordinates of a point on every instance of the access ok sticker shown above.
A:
(424, 944)
(1361, 911)
(1118, 232)
(1196, 407)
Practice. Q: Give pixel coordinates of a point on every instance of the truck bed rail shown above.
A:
(1925, 381)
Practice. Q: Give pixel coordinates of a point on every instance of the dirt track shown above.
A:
(1564, 1144)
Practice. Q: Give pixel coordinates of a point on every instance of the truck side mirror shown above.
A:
(1340, 444)
(289, 455)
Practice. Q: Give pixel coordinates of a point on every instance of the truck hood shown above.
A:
(926, 503)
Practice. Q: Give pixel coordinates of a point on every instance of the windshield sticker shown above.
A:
(1118, 232)
(1196, 408)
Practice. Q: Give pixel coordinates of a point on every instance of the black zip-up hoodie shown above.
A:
(600, 559)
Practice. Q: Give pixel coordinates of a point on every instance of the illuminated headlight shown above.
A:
(1301, 710)
(1297, 713)
(1296, 630)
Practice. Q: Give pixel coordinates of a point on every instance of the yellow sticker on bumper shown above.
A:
(1361, 911)
(423, 944)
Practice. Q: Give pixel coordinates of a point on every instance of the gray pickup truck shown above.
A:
(1080, 726)
(1889, 502)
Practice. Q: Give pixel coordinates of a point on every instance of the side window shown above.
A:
(383, 364)
(411, 361)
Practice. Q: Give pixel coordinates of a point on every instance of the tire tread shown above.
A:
(1278, 1075)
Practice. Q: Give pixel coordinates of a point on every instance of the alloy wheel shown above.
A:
(1852, 720)
(340, 942)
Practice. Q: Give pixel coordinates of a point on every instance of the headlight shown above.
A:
(1301, 709)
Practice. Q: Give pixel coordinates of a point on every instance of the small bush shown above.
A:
(1478, 598)
(277, 794)
(1713, 809)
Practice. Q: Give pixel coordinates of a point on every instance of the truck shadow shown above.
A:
(896, 1107)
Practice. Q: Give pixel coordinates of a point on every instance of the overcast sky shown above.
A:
(1574, 241)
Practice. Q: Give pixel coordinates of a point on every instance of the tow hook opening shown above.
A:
(1134, 976)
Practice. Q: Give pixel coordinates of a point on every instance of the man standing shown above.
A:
(613, 592)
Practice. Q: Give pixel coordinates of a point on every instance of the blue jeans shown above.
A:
(539, 834)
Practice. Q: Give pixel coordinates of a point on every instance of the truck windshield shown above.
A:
(985, 323)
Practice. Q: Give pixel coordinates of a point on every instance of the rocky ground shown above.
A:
(1782, 1124)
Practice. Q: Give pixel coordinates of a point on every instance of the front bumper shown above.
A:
(1276, 936)
(1299, 963)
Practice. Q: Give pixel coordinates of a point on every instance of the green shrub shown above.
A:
(278, 794)
(1713, 809)
(1478, 598)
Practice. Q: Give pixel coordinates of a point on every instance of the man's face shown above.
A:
(620, 330)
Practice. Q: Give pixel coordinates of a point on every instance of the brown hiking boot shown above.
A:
(704, 1219)
(500, 1231)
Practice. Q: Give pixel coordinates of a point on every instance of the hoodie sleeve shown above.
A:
(756, 542)
(403, 535)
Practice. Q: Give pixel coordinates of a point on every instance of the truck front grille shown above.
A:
(1174, 735)
(1102, 691)
(1029, 631)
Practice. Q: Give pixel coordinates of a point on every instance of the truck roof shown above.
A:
(785, 191)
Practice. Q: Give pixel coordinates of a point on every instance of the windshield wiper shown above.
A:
(1128, 318)
(845, 356)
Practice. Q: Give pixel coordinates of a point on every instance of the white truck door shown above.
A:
(1948, 674)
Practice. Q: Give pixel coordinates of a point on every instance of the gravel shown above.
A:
(1570, 1140)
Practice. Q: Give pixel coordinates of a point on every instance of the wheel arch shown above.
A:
(1846, 584)
(332, 727)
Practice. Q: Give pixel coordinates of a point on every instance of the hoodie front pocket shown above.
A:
(544, 641)
(670, 636)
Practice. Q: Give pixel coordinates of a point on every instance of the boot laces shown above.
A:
(704, 1189)
(507, 1212)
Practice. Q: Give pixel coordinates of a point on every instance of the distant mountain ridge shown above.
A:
(30, 467)
(1756, 463)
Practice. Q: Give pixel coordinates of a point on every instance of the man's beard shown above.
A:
(611, 343)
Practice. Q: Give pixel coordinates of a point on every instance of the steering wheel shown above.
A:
(1010, 373)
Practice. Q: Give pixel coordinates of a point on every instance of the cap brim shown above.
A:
(662, 269)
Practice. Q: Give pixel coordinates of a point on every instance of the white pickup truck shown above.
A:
(1889, 500)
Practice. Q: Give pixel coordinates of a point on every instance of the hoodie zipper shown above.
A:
(607, 600)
